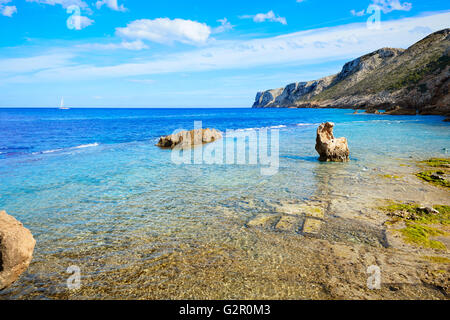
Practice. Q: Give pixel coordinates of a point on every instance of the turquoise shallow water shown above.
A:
(92, 187)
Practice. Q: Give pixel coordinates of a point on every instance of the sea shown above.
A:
(97, 194)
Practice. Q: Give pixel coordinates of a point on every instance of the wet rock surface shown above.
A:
(298, 218)
(189, 139)
(399, 111)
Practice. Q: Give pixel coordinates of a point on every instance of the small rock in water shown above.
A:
(16, 249)
(189, 139)
(329, 147)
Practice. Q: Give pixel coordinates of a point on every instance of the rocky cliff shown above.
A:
(414, 80)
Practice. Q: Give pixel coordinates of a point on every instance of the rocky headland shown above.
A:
(411, 81)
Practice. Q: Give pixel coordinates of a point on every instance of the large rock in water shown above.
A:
(329, 147)
(16, 249)
(187, 139)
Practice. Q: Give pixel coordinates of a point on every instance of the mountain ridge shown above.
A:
(401, 81)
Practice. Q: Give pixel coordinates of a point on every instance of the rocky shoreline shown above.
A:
(316, 248)
(395, 218)
(401, 82)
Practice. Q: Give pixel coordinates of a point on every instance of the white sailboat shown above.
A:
(62, 105)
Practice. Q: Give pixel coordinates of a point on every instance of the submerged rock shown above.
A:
(16, 249)
(264, 220)
(188, 139)
(329, 147)
(301, 209)
(312, 226)
(288, 223)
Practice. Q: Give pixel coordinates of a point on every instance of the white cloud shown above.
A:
(133, 45)
(358, 13)
(167, 31)
(79, 22)
(8, 11)
(386, 6)
(75, 21)
(68, 4)
(301, 48)
(34, 64)
(269, 16)
(112, 4)
(64, 3)
(392, 5)
(421, 30)
(142, 81)
(225, 25)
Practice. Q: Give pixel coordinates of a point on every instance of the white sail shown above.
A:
(62, 104)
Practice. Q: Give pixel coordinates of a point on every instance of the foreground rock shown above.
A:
(329, 147)
(188, 139)
(16, 249)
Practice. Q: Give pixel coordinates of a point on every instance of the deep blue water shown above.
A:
(52, 151)
(27, 131)
(86, 178)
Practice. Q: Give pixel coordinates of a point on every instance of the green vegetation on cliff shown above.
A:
(408, 80)
(407, 69)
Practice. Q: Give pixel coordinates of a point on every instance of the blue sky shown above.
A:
(130, 53)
